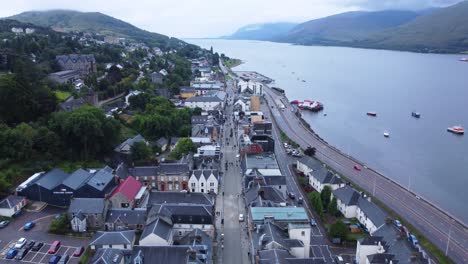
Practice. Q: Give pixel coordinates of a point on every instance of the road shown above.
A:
(427, 219)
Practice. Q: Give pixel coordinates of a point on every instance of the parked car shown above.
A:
(37, 246)
(54, 247)
(397, 223)
(312, 222)
(300, 200)
(78, 251)
(241, 217)
(4, 223)
(356, 167)
(291, 195)
(11, 253)
(20, 243)
(29, 226)
(21, 253)
(30, 245)
(64, 259)
(54, 259)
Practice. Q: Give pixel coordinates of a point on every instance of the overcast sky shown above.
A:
(213, 18)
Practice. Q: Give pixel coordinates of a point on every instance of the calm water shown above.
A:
(350, 82)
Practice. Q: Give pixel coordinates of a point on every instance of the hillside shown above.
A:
(445, 30)
(95, 22)
(265, 31)
(346, 28)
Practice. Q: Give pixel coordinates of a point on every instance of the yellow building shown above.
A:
(187, 92)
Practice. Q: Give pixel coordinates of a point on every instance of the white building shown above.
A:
(113, 239)
(12, 205)
(207, 102)
(157, 233)
(204, 181)
(208, 151)
(369, 246)
(251, 87)
(300, 232)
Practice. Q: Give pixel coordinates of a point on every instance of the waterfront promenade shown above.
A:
(435, 225)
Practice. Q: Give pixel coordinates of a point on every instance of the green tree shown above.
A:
(316, 202)
(59, 225)
(184, 146)
(197, 111)
(339, 230)
(325, 195)
(333, 207)
(139, 101)
(140, 151)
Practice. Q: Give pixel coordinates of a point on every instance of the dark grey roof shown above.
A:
(77, 179)
(158, 227)
(101, 178)
(108, 256)
(200, 241)
(187, 89)
(204, 98)
(164, 254)
(381, 258)
(75, 58)
(130, 141)
(156, 198)
(258, 195)
(128, 216)
(144, 171)
(372, 240)
(113, 238)
(204, 173)
(326, 176)
(162, 141)
(174, 168)
(310, 162)
(274, 180)
(86, 205)
(72, 104)
(271, 233)
(122, 171)
(183, 214)
(52, 179)
(347, 194)
(11, 201)
(372, 211)
(280, 256)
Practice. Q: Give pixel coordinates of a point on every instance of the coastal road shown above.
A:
(430, 221)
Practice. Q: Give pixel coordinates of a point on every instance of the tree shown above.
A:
(140, 151)
(59, 225)
(316, 202)
(197, 111)
(114, 75)
(310, 151)
(139, 101)
(184, 146)
(339, 230)
(333, 207)
(325, 196)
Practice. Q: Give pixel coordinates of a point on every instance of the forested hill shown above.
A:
(95, 22)
(266, 31)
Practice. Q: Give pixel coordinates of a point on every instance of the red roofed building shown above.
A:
(124, 195)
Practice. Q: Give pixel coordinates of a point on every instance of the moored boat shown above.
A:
(386, 134)
(464, 59)
(371, 113)
(313, 106)
(456, 130)
(416, 114)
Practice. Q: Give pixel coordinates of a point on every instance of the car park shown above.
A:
(37, 246)
(4, 223)
(11, 253)
(21, 253)
(78, 251)
(29, 226)
(54, 247)
(64, 259)
(20, 243)
(55, 259)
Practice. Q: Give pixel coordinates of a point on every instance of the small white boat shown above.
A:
(386, 134)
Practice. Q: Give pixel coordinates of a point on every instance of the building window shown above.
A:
(193, 190)
(202, 190)
(192, 184)
(146, 178)
(202, 184)
(303, 233)
(169, 187)
(211, 184)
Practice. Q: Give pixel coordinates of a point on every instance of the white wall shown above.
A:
(347, 211)
(303, 234)
(182, 229)
(362, 251)
(154, 240)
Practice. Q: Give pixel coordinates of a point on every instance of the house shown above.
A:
(266, 196)
(264, 142)
(125, 219)
(125, 193)
(242, 105)
(83, 63)
(353, 204)
(12, 205)
(157, 78)
(157, 233)
(260, 164)
(262, 127)
(277, 182)
(204, 181)
(57, 187)
(126, 146)
(208, 151)
(321, 177)
(369, 246)
(159, 198)
(207, 102)
(113, 239)
(187, 92)
(108, 255)
(306, 164)
(250, 87)
(162, 143)
(206, 126)
(64, 76)
(87, 213)
(181, 254)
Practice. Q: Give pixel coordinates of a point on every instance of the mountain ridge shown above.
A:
(261, 31)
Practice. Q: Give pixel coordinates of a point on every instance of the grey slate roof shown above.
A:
(11, 201)
(165, 254)
(86, 205)
(204, 98)
(144, 171)
(158, 227)
(271, 233)
(128, 216)
(382, 258)
(327, 177)
(183, 214)
(162, 141)
(372, 240)
(174, 168)
(102, 238)
(130, 141)
(274, 180)
(280, 256)
(310, 162)
(347, 194)
(108, 256)
(51, 179)
(77, 178)
(204, 173)
(372, 211)
(122, 171)
(258, 195)
(156, 198)
(101, 178)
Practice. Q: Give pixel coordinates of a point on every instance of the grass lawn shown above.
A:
(61, 95)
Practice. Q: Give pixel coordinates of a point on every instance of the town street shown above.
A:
(429, 220)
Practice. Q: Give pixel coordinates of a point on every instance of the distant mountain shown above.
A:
(265, 31)
(346, 28)
(444, 30)
(95, 22)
